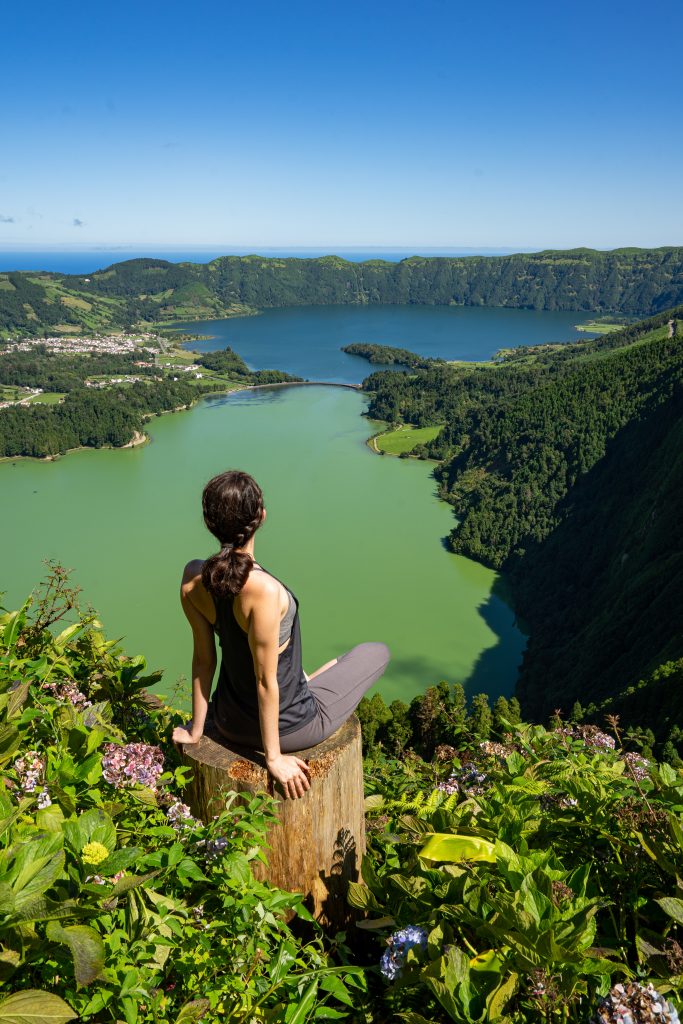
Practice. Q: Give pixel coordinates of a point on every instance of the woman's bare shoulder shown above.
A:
(192, 575)
(193, 591)
(260, 585)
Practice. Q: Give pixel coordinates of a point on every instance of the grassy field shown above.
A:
(405, 438)
(176, 355)
(47, 398)
(10, 393)
(599, 327)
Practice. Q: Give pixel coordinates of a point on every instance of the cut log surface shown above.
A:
(318, 842)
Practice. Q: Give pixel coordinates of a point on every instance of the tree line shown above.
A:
(88, 418)
(626, 280)
(56, 371)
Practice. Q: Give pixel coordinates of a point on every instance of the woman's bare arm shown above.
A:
(262, 602)
(203, 657)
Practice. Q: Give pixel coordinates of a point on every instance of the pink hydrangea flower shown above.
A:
(132, 764)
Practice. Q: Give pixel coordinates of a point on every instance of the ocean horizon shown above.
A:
(83, 261)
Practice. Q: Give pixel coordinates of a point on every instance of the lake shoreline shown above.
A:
(139, 439)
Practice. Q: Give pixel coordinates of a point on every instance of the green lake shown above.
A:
(359, 538)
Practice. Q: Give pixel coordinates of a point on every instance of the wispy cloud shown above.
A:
(78, 223)
(6, 220)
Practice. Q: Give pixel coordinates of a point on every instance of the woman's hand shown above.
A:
(186, 734)
(292, 773)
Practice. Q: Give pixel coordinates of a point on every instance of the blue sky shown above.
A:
(431, 123)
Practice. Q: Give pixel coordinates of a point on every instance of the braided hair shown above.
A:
(232, 503)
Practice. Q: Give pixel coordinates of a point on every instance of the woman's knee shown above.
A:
(376, 654)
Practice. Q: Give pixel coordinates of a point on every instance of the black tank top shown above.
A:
(236, 687)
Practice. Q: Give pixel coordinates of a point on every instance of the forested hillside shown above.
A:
(603, 594)
(565, 470)
(631, 281)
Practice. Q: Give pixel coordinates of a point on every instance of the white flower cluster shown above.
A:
(181, 817)
(30, 769)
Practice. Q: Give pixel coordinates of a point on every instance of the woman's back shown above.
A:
(236, 696)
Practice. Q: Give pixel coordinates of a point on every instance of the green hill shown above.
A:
(603, 593)
(630, 281)
(565, 470)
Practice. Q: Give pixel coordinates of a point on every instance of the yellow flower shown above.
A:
(94, 853)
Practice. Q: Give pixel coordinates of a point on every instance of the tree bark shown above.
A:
(318, 842)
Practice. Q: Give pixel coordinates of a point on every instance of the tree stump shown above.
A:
(318, 842)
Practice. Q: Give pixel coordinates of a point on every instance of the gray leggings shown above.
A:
(337, 692)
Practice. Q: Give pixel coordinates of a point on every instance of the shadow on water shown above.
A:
(423, 673)
(491, 671)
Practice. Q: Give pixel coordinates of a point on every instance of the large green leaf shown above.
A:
(10, 739)
(35, 867)
(445, 847)
(33, 1006)
(87, 949)
(358, 895)
(305, 1005)
(119, 860)
(50, 818)
(13, 623)
(130, 882)
(42, 908)
(17, 699)
(192, 1011)
(67, 634)
(497, 1000)
(673, 907)
(236, 866)
(94, 826)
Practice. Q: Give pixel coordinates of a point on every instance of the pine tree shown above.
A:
(481, 718)
(577, 712)
(501, 711)
(398, 730)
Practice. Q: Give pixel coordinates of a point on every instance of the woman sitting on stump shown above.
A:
(263, 698)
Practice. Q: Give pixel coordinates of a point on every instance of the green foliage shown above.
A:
(438, 717)
(115, 904)
(541, 870)
(388, 355)
(602, 595)
(223, 361)
(543, 865)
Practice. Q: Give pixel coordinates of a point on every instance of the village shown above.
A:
(112, 344)
(147, 343)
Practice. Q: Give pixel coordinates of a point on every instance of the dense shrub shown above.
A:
(532, 878)
(111, 894)
(529, 876)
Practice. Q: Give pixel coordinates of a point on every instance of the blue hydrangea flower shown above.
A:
(394, 958)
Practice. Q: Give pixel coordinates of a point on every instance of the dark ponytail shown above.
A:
(232, 503)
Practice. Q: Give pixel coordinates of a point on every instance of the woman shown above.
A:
(262, 698)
